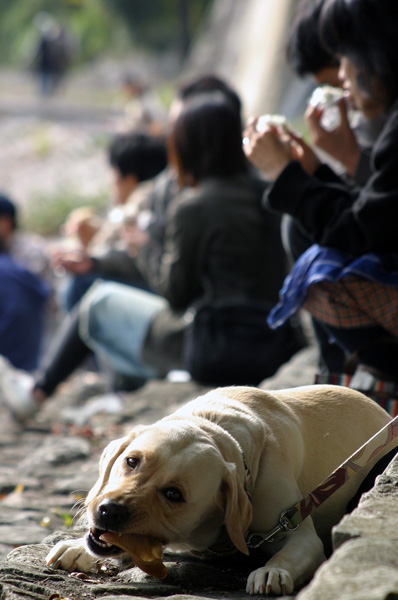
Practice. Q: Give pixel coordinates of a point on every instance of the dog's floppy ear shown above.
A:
(108, 457)
(112, 451)
(238, 509)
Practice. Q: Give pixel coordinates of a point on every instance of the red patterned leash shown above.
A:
(291, 518)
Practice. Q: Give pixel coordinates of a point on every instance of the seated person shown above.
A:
(26, 247)
(218, 245)
(349, 145)
(348, 279)
(135, 159)
(23, 299)
(143, 225)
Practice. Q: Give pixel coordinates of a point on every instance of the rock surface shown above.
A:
(364, 565)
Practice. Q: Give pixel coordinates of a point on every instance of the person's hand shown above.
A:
(76, 262)
(85, 231)
(82, 223)
(339, 143)
(304, 154)
(269, 150)
(133, 237)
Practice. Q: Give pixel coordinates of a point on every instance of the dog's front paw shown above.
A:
(71, 555)
(269, 580)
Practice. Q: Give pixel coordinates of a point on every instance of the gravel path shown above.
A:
(50, 147)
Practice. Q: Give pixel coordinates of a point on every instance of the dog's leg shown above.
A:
(294, 563)
(71, 555)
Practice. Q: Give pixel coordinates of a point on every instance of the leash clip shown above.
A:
(255, 540)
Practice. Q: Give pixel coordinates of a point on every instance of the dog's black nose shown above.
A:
(111, 514)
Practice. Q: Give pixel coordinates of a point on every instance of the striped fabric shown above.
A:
(385, 393)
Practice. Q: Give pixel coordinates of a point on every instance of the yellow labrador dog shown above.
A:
(183, 482)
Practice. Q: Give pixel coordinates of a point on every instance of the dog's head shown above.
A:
(169, 483)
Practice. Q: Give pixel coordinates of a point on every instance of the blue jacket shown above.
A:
(23, 299)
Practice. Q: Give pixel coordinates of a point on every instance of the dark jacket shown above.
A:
(23, 298)
(352, 219)
(218, 244)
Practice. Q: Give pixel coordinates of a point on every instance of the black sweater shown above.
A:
(351, 219)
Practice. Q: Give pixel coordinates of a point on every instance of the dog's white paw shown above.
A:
(269, 580)
(71, 555)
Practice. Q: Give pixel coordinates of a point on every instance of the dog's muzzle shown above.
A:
(109, 516)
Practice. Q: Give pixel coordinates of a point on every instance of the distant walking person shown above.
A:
(52, 55)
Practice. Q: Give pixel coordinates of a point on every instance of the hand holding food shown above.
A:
(326, 98)
(266, 144)
(328, 120)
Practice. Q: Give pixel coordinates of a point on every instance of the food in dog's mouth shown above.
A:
(99, 546)
(145, 551)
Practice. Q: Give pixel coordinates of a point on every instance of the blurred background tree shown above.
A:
(102, 26)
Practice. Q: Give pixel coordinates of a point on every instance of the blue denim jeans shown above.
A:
(114, 322)
(78, 285)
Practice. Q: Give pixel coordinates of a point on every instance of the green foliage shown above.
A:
(158, 23)
(97, 29)
(91, 25)
(99, 26)
(45, 214)
(41, 142)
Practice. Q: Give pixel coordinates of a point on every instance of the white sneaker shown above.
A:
(110, 404)
(16, 391)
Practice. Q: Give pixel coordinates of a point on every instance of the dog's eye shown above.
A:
(173, 494)
(132, 462)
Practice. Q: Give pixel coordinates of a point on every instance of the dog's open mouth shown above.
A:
(101, 547)
(145, 551)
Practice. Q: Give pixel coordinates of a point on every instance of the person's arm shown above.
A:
(112, 263)
(353, 220)
(175, 276)
(315, 204)
(364, 169)
(118, 264)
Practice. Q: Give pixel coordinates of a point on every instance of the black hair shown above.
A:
(305, 51)
(365, 32)
(206, 137)
(139, 154)
(8, 208)
(209, 83)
